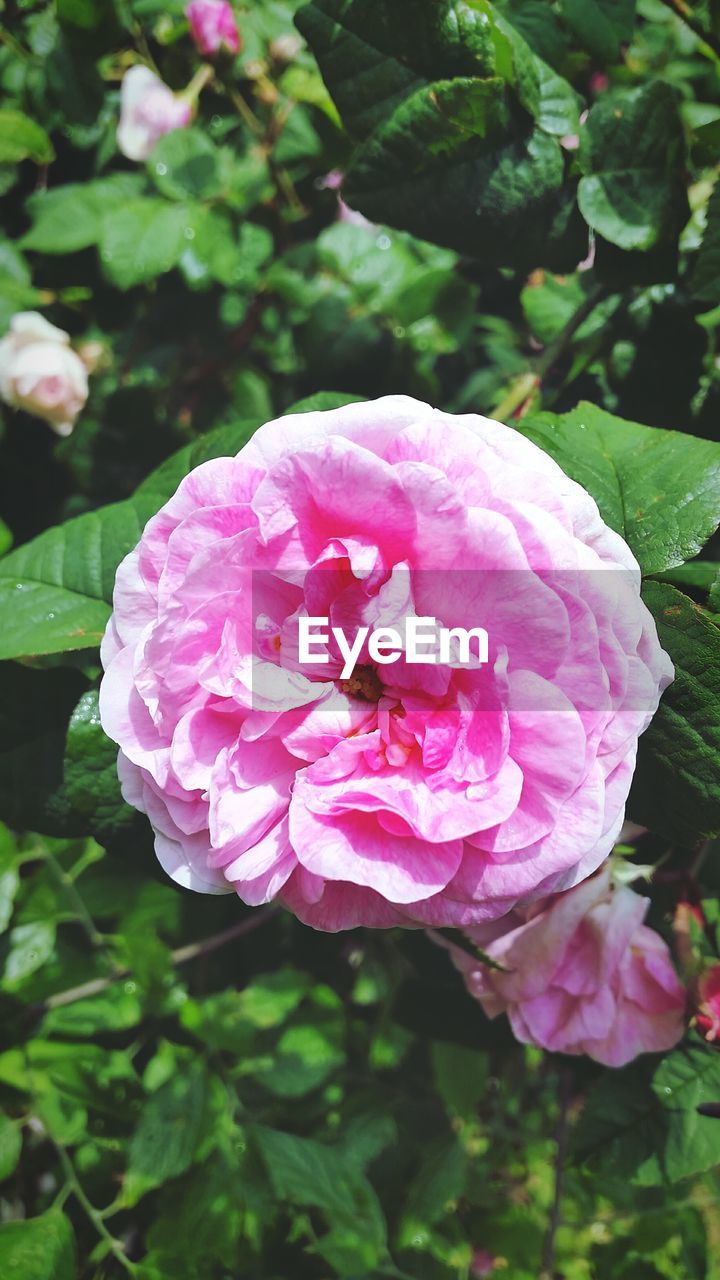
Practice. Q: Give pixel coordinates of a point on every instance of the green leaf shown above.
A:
(684, 1080)
(600, 25)
(142, 239)
(31, 945)
(55, 591)
(35, 707)
(435, 1188)
(170, 1133)
(225, 253)
(641, 1125)
(309, 1173)
(39, 1248)
(321, 401)
(47, 619)
(559, 105)
(91, 778)
(676, 788)
(460, 1077)
(432, 171)
(632, 152)
(659, 489)
(9, 876)
(373, 54)
(16, 294)
(68, 218)
(303, 1058)
(10, 1146)
(185, 165)
(705, 279)
(22, 139)
(433, 88)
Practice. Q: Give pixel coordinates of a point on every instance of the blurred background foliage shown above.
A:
(196, 1092)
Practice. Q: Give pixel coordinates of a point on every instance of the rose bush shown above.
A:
(580, 973)
(438, 796)
(498, 207)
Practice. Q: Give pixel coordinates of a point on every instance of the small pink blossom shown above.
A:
(580, 973)
(148, 110)
(407, 794)
(483, 1263)
(708, 1015)
(213, 27)
(40, 373)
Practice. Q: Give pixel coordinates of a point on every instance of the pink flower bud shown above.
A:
(483, 1263)
(708, 1016)
(213, 27)
(40, 373)
(148, 110)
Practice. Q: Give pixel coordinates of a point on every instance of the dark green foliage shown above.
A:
(190, 1090)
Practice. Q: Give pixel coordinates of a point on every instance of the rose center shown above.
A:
(364, 683)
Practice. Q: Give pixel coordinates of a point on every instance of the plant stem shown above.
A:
(244, 111)
(565, 1083)
(15, 47)
(686, 15)
(114, 1246)
(181, 956)
(68, 885)
(555, 349)
(527, 383)
(202, 77)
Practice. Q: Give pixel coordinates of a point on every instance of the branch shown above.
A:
(181, 956)
(74, 1185)
(686, 15)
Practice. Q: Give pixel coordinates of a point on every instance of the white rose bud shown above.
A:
(148, 110)
(40, 373)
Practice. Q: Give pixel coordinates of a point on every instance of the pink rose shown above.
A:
(148, 110)
(40, 373)
(582, 974)
(406, 793)
(213, 27)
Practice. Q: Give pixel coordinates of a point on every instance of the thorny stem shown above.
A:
(181, 956)
(565, 1085)
(686, 15)
(529, 381)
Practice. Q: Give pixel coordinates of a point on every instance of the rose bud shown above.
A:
(148, 110)
(40, 373)
(708, 1015)
(213, 27)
